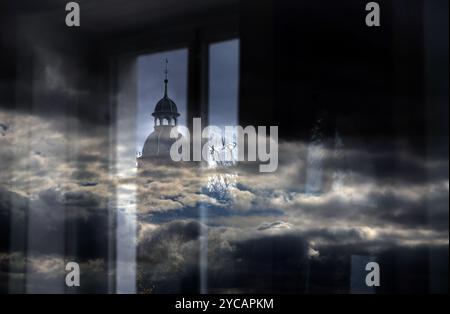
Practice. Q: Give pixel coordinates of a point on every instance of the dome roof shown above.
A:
(159, 142)
(166, 106)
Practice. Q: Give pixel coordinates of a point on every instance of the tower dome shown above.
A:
(165, 110)
(166, 106)
(165, 115)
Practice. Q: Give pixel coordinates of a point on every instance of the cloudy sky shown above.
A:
(363, 150)
(219, 230)
(70, 190)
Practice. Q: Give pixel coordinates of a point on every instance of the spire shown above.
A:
(165, 108)
(166, 80)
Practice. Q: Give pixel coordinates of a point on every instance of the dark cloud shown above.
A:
(46, 274)
(264, 232)
(274, 225)
(55, 220)
(9, 202)
(169, 261)
(84, 199)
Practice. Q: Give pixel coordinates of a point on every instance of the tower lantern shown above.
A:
(166, 112)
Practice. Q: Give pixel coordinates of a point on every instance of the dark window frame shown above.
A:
(195, 36)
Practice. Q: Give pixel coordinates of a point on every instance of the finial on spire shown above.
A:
(166, 80)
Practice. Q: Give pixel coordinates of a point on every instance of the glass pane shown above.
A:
(223, 83)
(223, 100)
